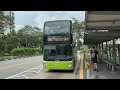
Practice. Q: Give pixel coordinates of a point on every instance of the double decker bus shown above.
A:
(58, 47)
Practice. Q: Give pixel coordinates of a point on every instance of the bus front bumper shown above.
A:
(61, 65)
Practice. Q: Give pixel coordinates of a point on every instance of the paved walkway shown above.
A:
(105, 73)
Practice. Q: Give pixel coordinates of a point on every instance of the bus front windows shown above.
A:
(49, 50)
(57, 28)
(61, 52)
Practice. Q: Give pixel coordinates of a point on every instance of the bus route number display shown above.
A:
(51, 39)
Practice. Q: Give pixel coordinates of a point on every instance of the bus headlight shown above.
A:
(45, 65)
(69, 65)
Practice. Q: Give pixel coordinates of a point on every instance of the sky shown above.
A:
(37, 18)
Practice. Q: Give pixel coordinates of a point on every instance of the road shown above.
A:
(45, 74)
(30, 68)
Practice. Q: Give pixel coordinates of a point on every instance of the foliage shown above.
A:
(78, 28)
(26, 51)
(12, 41)
(79, 44)
(6, 21)
(2, 45)
(30, 36)
(27, 36)
(83, 51)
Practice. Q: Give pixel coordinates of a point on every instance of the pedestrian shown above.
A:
(94, 58)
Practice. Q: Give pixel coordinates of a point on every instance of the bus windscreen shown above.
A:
(57, 31)
(57, 27)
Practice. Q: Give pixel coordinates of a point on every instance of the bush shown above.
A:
(26, 51)
(2, 58)
(82, 51)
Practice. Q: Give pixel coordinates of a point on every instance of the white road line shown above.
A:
(39, 70)
(24, 71)
(22, 76)
(31, 71)
(25, 76)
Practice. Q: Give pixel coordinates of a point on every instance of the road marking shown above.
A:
(23, 76)
(39, 70)
(14, 65)
(81, 70)
(20, 74)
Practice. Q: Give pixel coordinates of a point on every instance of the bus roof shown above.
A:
(57, 21)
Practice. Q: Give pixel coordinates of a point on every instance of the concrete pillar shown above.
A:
(102, 52)
(109, 53)
(107, 50)
(114, 55)
(99, 52)
(113, 68)
(99, 48)
(119, 53)
(96, 47)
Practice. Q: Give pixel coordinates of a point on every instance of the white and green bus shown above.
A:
(58, 47)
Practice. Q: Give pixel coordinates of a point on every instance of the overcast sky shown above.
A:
(37, 18)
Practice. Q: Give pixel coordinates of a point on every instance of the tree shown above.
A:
(78, 30)
(30, 36)
(12, 41)
(79, 43)
(6, 21)
(2, 45)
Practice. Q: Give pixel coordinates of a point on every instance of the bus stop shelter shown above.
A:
(102, 26)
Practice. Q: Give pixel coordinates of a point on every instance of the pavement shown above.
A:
(104, 72)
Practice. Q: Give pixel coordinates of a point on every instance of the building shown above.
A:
(8, 28)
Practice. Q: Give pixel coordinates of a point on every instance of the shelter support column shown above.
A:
(99, 52)
(96, 46)
(114, 55)
(107, 51)
(119, 53)
(102, 52)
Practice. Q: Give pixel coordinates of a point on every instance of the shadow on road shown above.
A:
(60, 71)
